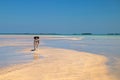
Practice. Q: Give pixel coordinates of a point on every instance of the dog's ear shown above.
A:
(37, 37)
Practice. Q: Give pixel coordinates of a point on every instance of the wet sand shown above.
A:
(59, 64)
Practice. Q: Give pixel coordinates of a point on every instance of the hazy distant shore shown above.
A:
(58, 34)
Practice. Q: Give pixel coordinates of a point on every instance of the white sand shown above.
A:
(59, 64)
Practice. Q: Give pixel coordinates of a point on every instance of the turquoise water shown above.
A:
(107, 45)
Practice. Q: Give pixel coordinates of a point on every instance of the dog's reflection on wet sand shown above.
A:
(36, 55)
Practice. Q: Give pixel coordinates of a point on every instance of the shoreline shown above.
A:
(60, 64)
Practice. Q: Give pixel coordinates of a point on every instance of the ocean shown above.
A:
(107, 45)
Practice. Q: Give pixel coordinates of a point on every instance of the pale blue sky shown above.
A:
(60, 16)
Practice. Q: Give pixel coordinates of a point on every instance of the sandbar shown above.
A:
(59, 64)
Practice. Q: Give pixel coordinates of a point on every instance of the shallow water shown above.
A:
(9, 55)
(103, 45)
(107, 45)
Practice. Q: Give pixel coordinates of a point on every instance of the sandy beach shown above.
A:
(59, 64)
(59, 58)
